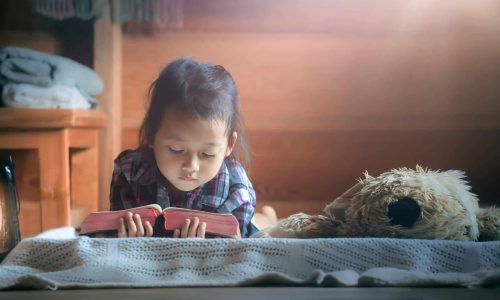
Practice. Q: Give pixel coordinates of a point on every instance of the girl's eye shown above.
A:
(175, 151)
(205, 155)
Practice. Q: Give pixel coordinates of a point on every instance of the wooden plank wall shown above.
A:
(331, 88)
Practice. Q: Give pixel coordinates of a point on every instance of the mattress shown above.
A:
(83, 262)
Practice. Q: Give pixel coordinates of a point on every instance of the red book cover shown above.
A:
(103, 221)
(217, 224)
(221, 225)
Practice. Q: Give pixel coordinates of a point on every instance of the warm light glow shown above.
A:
(426, 15)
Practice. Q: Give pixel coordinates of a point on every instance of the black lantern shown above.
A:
(9, 208)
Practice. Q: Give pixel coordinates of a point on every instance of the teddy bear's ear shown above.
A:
(453, 185)
(488, 221)
(336, 209)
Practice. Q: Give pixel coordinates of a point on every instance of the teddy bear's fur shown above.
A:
(402, 203)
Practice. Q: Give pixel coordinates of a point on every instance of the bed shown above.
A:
(223, 267)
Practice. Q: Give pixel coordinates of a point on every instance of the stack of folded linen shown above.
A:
(38, 80)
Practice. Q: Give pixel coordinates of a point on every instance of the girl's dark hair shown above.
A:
(208, 91)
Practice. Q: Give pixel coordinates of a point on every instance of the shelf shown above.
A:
(32, 118)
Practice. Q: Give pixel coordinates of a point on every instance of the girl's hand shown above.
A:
(191, 228)
(131, 226)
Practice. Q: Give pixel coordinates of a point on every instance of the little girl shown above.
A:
(185, 158)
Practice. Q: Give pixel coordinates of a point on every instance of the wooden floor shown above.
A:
(255, 293)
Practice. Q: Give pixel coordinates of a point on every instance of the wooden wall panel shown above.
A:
(331, 88)
(317, 167)
(372, 19)
(315, 82)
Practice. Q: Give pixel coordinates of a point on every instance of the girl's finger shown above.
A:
(194, 227)
(201, 230)
(149, 228)
(185, 228)
(131, 228)
(177, 233)
(122, 231)
(138, 225)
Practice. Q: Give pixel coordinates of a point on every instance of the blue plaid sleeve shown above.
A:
(121, 194)
(118, 189)
(241, 203)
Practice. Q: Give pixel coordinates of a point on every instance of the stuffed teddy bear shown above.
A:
(402, 203)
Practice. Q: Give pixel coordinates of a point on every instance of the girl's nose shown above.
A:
(190, 164)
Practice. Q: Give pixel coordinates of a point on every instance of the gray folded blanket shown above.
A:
(20, 65)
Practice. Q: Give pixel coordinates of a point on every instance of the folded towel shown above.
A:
(32, 96)
(20, 65)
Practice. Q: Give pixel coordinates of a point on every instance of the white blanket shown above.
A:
(32, 96)
(44, 263)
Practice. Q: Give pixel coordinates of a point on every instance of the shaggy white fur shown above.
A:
(442, 207)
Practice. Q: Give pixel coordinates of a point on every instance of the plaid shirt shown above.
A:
(137, 181)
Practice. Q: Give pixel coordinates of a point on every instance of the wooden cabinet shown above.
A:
(56, 153)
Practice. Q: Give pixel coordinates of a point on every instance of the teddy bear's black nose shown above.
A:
(404, 212)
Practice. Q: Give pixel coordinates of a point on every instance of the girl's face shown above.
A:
(189, 151)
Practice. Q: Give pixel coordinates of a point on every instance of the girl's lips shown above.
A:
(188, 178)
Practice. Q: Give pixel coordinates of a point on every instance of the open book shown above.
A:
(165, 221)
